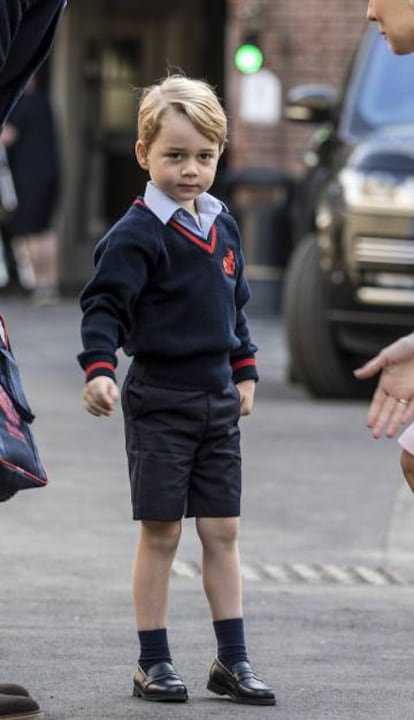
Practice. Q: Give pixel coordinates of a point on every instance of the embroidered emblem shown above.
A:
(229, 263)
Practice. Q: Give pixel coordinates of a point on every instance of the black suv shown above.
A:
(349, 288)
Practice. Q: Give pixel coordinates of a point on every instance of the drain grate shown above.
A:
(303, 573)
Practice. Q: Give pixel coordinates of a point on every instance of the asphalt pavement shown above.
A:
(327, 552)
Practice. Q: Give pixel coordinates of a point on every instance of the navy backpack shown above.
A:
(20, 464)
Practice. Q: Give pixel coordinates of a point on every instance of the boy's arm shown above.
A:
(107, 302)
(243, 360)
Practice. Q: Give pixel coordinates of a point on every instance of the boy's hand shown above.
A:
(100, 396)
(246, 389)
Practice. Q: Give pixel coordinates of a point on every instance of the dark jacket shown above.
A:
(27, 29)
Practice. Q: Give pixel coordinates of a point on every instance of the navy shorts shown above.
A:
(183, 449)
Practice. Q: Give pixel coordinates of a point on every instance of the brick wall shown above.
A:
(303, 41)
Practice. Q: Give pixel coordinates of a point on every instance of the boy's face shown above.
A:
(181, 162)
(396, 20)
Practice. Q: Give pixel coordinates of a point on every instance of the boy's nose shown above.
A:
(189, 169)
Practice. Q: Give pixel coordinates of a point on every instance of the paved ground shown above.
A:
(327, 553)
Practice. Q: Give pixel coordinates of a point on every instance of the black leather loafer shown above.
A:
(19, 707)
(13, 689)
(240, 683)
(161, 684)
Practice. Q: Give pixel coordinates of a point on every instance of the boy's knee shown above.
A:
(407, 466)
(218, 532)
(162, 537)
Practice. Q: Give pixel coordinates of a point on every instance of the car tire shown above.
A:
(315, 355)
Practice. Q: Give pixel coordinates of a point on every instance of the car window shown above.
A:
(386, 88)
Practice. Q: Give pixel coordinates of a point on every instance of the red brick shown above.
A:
(303, 41)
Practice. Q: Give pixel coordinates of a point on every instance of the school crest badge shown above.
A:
(229, 263)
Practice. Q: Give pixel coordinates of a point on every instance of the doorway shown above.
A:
(106, 51)
(132, 50)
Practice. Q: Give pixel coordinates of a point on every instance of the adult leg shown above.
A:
(23, 260)
(43, 252)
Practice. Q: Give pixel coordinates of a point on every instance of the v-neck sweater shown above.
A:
(172, 300)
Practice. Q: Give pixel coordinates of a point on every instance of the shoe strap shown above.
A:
(243, 670)
(162, 671)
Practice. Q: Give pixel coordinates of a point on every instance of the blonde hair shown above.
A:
(194, 98)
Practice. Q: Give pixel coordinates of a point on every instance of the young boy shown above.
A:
(169, 288)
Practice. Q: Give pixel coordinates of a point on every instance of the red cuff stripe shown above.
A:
(243, 363)
(96, 365)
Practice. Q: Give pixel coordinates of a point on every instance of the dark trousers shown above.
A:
(183, 450)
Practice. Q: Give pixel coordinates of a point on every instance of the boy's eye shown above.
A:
(206, 156)
(174, 155)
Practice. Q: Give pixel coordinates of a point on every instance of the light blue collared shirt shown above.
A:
(164, 207)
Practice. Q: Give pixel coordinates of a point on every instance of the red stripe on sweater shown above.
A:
(97, 365)
(243, 363)
(210, 247)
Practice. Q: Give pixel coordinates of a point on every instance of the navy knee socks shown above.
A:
(154, 648)
(231, 646)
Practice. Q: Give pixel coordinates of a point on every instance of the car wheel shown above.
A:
(315, 355)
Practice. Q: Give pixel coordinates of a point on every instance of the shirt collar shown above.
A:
(164, 207)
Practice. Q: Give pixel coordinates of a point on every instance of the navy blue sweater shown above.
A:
(172, 300)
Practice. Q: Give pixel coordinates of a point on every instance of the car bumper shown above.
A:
(378, 251)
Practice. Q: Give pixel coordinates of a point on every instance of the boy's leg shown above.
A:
(231, 674)
(156, 550)
(221, 566)
(156, 678)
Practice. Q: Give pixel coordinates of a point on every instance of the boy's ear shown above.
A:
(141, 154)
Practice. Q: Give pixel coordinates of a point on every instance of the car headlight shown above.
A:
(380, 191)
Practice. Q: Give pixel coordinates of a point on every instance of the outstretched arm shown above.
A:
(392, 404)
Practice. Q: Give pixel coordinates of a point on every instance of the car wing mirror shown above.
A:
(311, 104)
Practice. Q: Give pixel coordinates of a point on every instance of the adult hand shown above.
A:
(100, 396)
(246, 389)
(392, 404)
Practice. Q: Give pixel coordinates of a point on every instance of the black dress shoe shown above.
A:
(240, 683)
(13, 689)
(160, 683)
(19, 707)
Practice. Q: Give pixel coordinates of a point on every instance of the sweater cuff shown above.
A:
(98, 369)
(95, 365)
(244, 369)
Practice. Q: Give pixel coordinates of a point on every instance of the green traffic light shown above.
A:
(248, 58)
